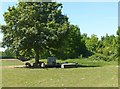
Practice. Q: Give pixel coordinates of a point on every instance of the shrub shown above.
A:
(97, 56)
(8, 53)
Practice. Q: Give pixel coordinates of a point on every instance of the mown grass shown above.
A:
(88, 62)
(105, 76)
(11, 62)
(83, 61)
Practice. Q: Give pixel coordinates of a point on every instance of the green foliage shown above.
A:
(40, 28)
(102, 49)
(1, 55)
(73, 46)
(105, 47)
(8, 53)
(108, 45)
(34, 26)
(98, 57)
(118, 42)
(92, 43)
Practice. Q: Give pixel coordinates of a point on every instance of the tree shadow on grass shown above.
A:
(59, 67)
(89, 66)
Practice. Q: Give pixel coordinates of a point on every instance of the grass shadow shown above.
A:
(50, 67)
(88, 66)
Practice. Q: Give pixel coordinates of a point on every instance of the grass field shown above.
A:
(104, 76)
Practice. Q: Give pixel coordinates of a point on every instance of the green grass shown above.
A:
(88, 62)
(85, 61)
(9, 62)
(105, 76)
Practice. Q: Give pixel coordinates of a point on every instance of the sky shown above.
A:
(99, 18)
(93, 18)
(119, 14)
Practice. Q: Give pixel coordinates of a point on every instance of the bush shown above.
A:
(8, 53)
(97, 56)
(113, 57)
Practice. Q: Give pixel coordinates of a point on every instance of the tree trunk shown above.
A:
(37, 56)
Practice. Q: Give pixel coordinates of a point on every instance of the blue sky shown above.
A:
(92, 17)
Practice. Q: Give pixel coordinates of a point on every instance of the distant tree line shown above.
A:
(79, 45)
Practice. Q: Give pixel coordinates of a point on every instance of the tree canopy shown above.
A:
(34, 26)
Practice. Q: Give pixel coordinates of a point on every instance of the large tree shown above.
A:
(34, 26)
(72, 47)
